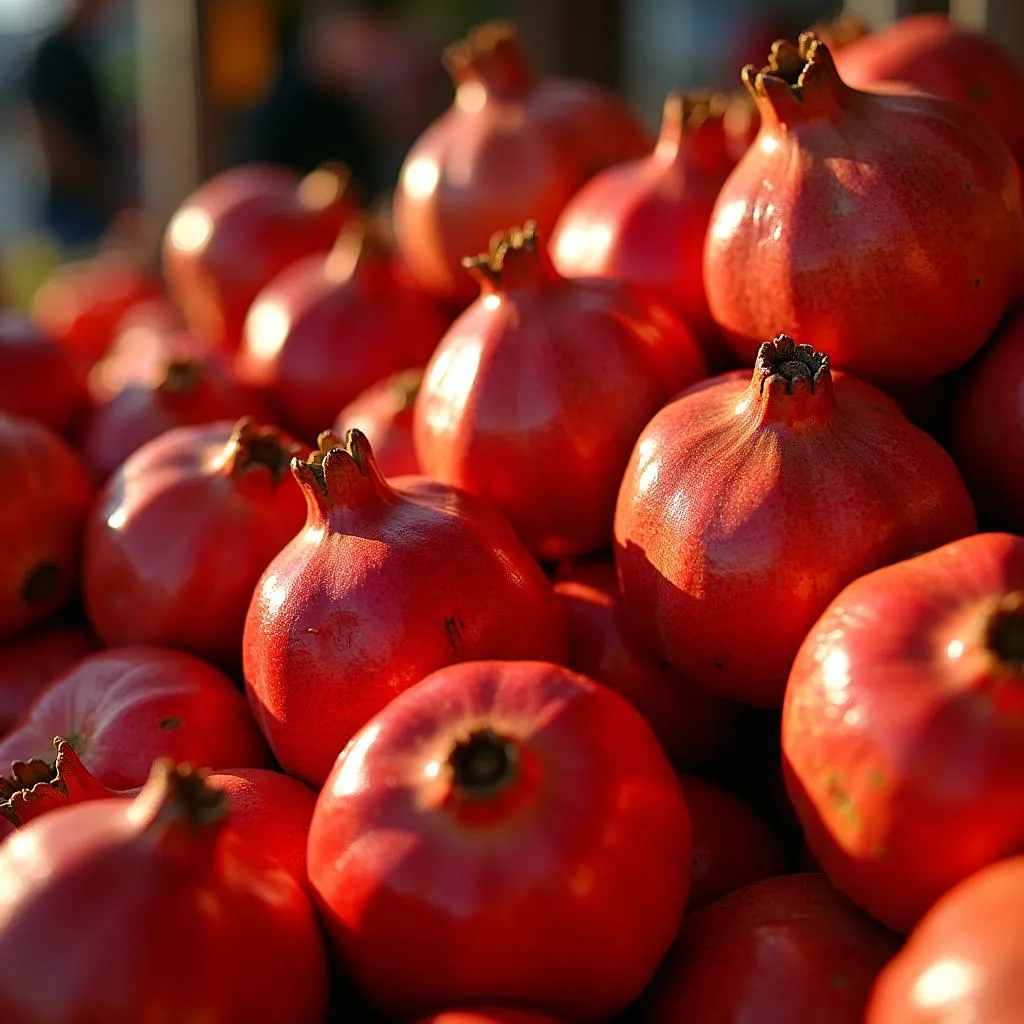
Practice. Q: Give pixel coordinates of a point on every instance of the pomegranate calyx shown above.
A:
(794, 365)
(491, 56)
(255, 445)
(516, 259)
(330, 184)
(179, 795)
(1004, 632)
(482, 763)
(181, 376)
(341, 475)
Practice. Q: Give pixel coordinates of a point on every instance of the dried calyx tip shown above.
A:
(695, 106)
(786, 61)
(253, 444)
(355, 447)
(782, 358)
(522, 239)
(1004, 632)
(479, 42)
(483, 762)
(183, 793)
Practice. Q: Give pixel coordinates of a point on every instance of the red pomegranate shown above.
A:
(512, 147)
(328, 327)
(690, 723)
(901, 730)
(487, 1015)
(383, 413)
(750, 502)
(538, 391)
(182, 532)
(196, 923)
(645, 221)
(836, 224)
(239, 230)
(388, 582)
(45, 499)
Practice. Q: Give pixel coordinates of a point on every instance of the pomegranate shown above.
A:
(383, 413)
(239, 230)
(328, 327)
(487, 1015)
(689, 723)
(902, 717)
(645, 221)
(513, 146)
(387, 582)
(122, 709)
(196, 923)
(502, 832)
(724, 478)
(836, 224)
(182, 532)
(526, 402)
(46, 497)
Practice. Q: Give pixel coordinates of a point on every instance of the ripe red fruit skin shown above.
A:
(155, 909)
(538, 391)
(512, 147)
(122, 709)
(689, 723)
(239, 230)
(835, 225)
(750, 502)
(645, 221)
(988, 427)
(39, 379)
(779, 950)
(947, 59)
(487, 1015)
(901, 729)
(330, 326)
(965, 959)
(388, 582)
(384, 413)
(732, 844)
(421, 867)
(182, 532)
(46, 497)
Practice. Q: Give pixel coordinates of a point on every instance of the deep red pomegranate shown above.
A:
(946, 58)
(184, 919)
(182, 532)
(488, 1015)
(191, 389)
(122, 709)
(782, 949)
(493, 793)
(388, 582)
(39, 379)
(988, 427)
(330, 326)
(383, 413)
(45, 498)
(689, 723)
(538, 391)
(645, 221)
(239, 230)
(836, 224)
(901, 730)
(750, 502)
(512, 147)
(964, 961)
(32, 659)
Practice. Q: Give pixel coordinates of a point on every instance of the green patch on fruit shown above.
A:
(842, 800)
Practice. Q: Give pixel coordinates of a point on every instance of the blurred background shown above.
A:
(112, 104)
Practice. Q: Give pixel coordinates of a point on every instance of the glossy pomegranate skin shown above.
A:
(645, 221)
(988, 427)
(526, 403)
(487, 1015)
(512, 147)
(32, 659)
(388, 582)
(689, 723)
(750, 502)
(239, 230)
(916, 783)
(182, 532)
(123, 708)
(965, 960)
(947, 59)
(201, 926)
(46, 497)
(384, 413)
(779, 950)
(28, 358)
(732, 845)
(330, 326)
(418, 870)
(806, 230)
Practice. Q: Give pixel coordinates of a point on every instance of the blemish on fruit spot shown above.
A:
(170, 723)
(454, 627)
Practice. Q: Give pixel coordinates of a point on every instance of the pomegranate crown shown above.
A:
(515, 258)
(783, 360)
(342, 475)
(254, 444)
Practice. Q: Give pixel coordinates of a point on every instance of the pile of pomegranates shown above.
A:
(591, 591)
